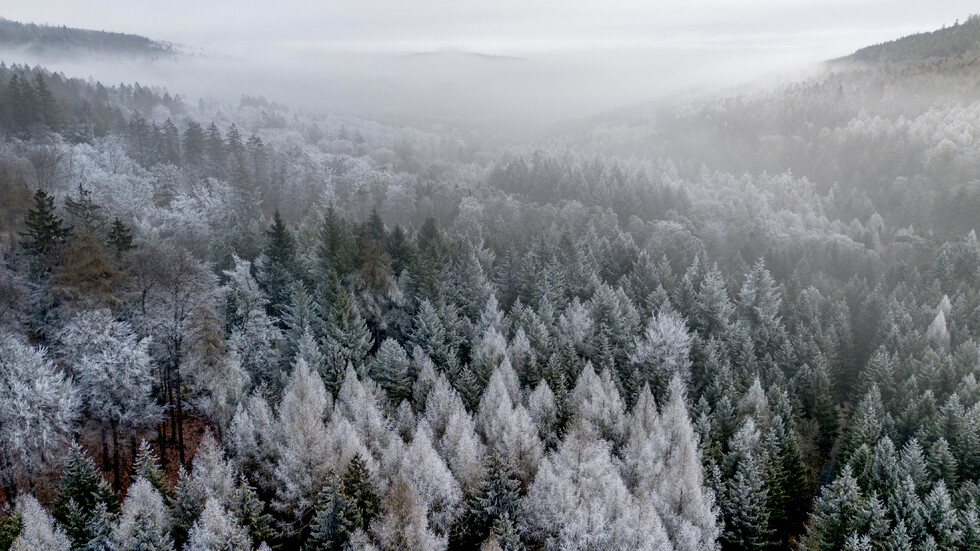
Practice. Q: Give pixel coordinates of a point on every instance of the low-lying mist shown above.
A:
(506, 97)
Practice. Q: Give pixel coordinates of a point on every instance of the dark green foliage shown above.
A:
(343, 509)
(45, 230)
(250, 512)
(120, 238)
(10, 526)
(279, 271)
(82, 489)
(147, 465)
(346, 339)
(337, 249)
(186, 506)
(490, 510)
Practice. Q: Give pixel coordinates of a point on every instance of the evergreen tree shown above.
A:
(496, 500)
(85, 214)
(147, 466)
(46, 232)
(187, 504)
(391, 368)
(38, 530)
(120, 239)
(82, 489)
(278, 270)
(347, 339)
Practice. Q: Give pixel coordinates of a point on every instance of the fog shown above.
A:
(511, 71)
(509, 96)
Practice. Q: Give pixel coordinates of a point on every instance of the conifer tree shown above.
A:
(120, 239)
(46, 231)
(186, 504)
(278, 271)
(496, 500)
(38, 530)
(347, 339)
(82, 489)
(147, 466)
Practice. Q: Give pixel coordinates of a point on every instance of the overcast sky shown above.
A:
(522, 27)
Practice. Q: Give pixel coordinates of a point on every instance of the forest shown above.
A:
(743, 322)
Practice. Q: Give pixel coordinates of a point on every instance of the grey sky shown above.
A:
(823, 27)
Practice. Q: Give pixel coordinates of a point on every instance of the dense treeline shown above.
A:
(46, 38)
(256, 328)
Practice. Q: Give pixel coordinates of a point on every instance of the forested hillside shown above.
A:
(48, 39)
(750, 322)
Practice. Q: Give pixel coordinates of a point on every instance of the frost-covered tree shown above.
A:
(253, 333)
(663, 351)
(38, 530)
(391, 368)
(578, 500)
(508, 429)
(596, 400)
(113, 374)
(403, 523)
(144, 523)
(38, 409)
(302, 441)
(217, 530)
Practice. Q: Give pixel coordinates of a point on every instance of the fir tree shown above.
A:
(120, 239)
(46, 231)
(187, 504)
(496, 500)
(82, 489)
(147, 466)
(278, 270)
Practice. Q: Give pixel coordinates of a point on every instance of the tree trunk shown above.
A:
(105, 451)
(180, 422)
(162, 443)
(116, 483)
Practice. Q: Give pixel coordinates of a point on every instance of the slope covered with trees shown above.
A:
(47, 39)
(249, 327)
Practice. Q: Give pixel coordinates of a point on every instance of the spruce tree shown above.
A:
(279, 269)
(186, 507)
(147, 465)
(45, 229)
(82, 488)
(497, 500)
(347, 339)
(120, 238)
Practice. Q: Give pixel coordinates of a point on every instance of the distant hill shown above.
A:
(960, 39)
(44, 39)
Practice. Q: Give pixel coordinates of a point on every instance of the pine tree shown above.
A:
(187, 504)
(120, 239)
(347, 339)
(46, 231)
(85, 214)
(147, 466)
(497, 499)
(278, 271)
(82, 489)
(391, 368)
(250, 513)
(360, 493)
(838, 512)
(38, 530)
(10, 527)
(144, 521)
